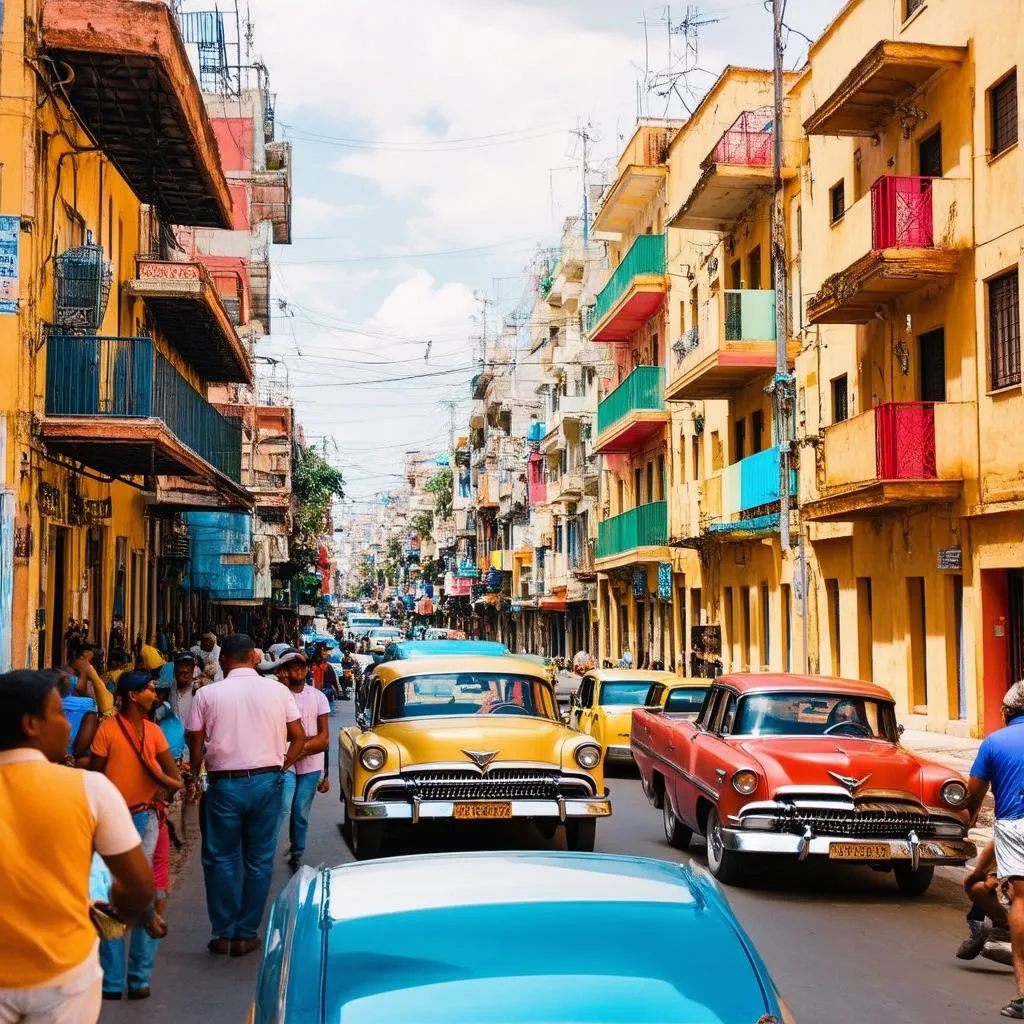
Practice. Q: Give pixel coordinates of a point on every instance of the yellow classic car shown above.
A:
(470, 738)
(603, 705)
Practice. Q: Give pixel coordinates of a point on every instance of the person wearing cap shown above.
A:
(308, 775)
(207, 652)
(1000, 765)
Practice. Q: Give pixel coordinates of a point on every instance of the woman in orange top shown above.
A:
(132, 752)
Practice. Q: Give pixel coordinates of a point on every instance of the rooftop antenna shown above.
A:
(673, 80)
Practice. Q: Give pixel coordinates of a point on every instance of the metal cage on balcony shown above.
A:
(82, 280)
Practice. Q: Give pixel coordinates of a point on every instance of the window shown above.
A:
(910, 6)
(735, 275)
(558, 537)
(837, 201)
(1003, 111)
(662, 483)
(835, 642)
(929, 155)
(650, 481)
(638, 486)
(840, 399)
(739, 440)
(1004, 330)
(754, 268)
(695, 456)
(756, 431)
(710, 707)
(725, 725)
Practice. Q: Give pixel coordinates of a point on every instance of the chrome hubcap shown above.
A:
(715, 841)
(667, 817)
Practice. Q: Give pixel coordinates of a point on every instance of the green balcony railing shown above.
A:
(646, 256)
(750, 314)
(644, 388)
(129, 378)
(640, 527)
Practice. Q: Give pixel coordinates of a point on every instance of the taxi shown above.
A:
(468, 738)
(603, 705)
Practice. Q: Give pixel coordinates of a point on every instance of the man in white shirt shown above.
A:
(252, 733)
(207, 653)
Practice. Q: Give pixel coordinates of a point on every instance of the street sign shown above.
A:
(951, 559)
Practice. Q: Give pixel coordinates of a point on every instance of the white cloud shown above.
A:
(310, 214)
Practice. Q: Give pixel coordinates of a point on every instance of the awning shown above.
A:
(552, 604)
(493, 600)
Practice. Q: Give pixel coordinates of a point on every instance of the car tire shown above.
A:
(722, 863)
(367, 839)
(911, 882)
(581, 835)
(676, 833)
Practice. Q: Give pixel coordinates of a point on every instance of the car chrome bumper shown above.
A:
(417, 810)
(918, 851)
(618, 752)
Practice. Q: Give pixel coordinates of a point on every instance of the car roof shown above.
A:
(502, 664)
(630, 675)
(425, 648)
(689, 683)
(750, 682)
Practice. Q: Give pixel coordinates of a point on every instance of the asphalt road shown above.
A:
(842, 944)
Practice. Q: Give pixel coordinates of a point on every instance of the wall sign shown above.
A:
(951, 559)
(664, 581)
(10, 231)
(639, 582)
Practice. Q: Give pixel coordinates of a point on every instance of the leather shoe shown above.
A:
(222, 946)
(138, 993)
(243, 947)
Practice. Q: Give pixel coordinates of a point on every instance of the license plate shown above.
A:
(859, 851)
(474, 812)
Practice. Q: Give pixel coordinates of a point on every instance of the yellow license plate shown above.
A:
(859, 851)
(474, 812)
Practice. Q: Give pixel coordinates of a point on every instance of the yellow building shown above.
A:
(110, 339)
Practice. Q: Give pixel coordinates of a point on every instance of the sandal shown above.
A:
(1014, 1008)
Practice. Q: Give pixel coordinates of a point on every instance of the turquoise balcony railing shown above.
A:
(749, 314)
(644, 388)
(640, 527)
(128, 378)
(752, 483)
(646, 256)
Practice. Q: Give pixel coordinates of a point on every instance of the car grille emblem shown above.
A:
(481, 758)
(851, 784)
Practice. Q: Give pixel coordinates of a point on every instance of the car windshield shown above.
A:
(385, 634)
(815, 714)
(451, 694)
(686, 702)
(624, 692)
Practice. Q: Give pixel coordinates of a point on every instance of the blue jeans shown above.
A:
(299, 791)
(239, 839)
(141, 946)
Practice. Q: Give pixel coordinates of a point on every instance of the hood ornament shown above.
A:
(851, 784)
(481, 758)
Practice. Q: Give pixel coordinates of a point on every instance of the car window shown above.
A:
(710, 706)
(459, 694)
(654, 695)
(688, 701)
(815, 714)
(623, 693)
(725, 725)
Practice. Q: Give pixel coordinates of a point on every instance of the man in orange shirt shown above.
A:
(50, 969)
(132, 752)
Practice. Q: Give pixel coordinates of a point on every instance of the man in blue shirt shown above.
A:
(1000, 764)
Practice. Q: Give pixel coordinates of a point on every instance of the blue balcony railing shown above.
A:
(752, 483)
(128, 378)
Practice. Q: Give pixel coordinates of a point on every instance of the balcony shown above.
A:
(906, 234)
(125, 72)
(733, 346)
(895, 456)
(187, 308)
(869, 96)
(639, 535)
(732, 173)
(633, 294)
(581, 560)
(633, 413)
(487, 490)
(272, 192)
(120, 407)
(738, 502)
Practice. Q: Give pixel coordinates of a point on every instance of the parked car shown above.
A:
(453, 938)
(677, 696)
(404, 649)
(604, 702)
(546, 663)
(469, 738)
(801, 766)
(380, 636)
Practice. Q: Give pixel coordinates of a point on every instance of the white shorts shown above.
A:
(1009, 842)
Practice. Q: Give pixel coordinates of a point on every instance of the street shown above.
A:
(841, 944)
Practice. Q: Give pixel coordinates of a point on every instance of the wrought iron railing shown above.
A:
(905, 441)
(643, 526)
(750, 314)
(688, 341)
(748, 143)
(82, 280)
(129, 378)
(901, 213)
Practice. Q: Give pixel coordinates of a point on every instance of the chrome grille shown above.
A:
(876, 822)
(497, 784)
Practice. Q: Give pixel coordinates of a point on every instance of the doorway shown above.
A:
(57, 586)
(931, 349)
(929, 155)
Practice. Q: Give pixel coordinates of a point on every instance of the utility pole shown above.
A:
(451, 430)
(782, 383)
(583, 134)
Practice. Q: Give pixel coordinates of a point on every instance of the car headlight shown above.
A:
(954, 793)
(373, 758)
(745, 781)
(588, 756)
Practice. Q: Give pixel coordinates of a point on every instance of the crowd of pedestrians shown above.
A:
(96, 759)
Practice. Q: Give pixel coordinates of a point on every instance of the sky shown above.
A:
(433, 154)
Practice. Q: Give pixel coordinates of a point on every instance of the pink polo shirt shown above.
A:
(311, 704)
(246, 718)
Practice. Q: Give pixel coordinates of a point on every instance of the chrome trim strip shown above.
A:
(572, 807)
(400, 781)
(685, 775)
(928, 851)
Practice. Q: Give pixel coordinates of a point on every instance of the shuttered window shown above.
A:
(1003, 108)
(1004, 330)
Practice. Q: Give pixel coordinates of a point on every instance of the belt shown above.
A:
(242, 773)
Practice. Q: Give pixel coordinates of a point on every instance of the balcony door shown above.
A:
(929, 155)
(931, 348)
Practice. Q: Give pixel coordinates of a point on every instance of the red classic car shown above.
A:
(805, 766)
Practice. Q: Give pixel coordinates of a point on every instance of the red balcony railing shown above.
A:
(905, 441)
(901, 213)
(538, 488)
(748, 142)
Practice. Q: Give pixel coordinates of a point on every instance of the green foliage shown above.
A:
(432, 570)
(440, 486)
(316, 484)
(423, 524)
